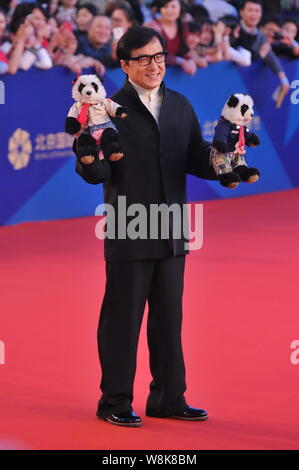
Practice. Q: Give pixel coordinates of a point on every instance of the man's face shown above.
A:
(251, 14)
(147, 76)
(290, 29)
(269, 30)
(100, 30)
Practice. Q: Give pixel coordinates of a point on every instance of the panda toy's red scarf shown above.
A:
(83, 115)
(241, 141)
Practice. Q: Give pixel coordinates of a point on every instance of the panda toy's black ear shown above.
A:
(233, 101)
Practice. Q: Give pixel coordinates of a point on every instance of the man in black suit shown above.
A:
(162, 142)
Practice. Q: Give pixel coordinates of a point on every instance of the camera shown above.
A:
(277, 36)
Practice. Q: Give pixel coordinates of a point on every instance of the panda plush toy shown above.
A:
(89, 121)
(231, 136)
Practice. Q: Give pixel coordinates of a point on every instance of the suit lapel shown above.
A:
(165, 110)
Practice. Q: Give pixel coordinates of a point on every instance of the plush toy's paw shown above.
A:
(114, 157)
(221, 147)
(88, 159)
(122, 112)
(253, 141)
(72, 126)
(247, 174)
(82, 152)
(110, 143)
(113, 151)
(229, 180)
(252, 179)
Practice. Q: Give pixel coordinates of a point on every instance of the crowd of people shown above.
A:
(83, 33)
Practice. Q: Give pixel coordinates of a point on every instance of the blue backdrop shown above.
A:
(37, 177)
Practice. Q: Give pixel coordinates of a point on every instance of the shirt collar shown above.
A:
(143, 92)
(249, 30)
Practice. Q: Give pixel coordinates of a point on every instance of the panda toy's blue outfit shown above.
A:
(225, 131)
(228, 147)
(228, 132)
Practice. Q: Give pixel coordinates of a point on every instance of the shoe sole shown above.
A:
(201, 418)
(128, 425)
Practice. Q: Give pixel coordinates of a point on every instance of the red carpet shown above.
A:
(240, 317)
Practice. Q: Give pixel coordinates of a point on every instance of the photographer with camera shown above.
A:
(285, 43)
(282, 37)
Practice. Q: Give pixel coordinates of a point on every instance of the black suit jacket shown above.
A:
(153, 169)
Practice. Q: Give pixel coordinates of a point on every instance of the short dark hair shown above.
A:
(22, 11)
(289, 20)
(194, 27)
(230, 21)
(90, 7)
(98, 15)
(271, 19)
(162, 3)
(136, 37)
(258, 2)
(5, 5)
(198, 12)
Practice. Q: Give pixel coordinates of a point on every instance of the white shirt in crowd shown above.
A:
(240, 56)
(38, 57)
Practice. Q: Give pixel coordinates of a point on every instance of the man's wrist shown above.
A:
(284, 80)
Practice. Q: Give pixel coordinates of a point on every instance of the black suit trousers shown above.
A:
(129, 284)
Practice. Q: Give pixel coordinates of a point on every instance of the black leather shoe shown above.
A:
(191, 414)
(124, 418)
(188, 414)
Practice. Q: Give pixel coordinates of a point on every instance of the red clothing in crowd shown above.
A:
(174, 46)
